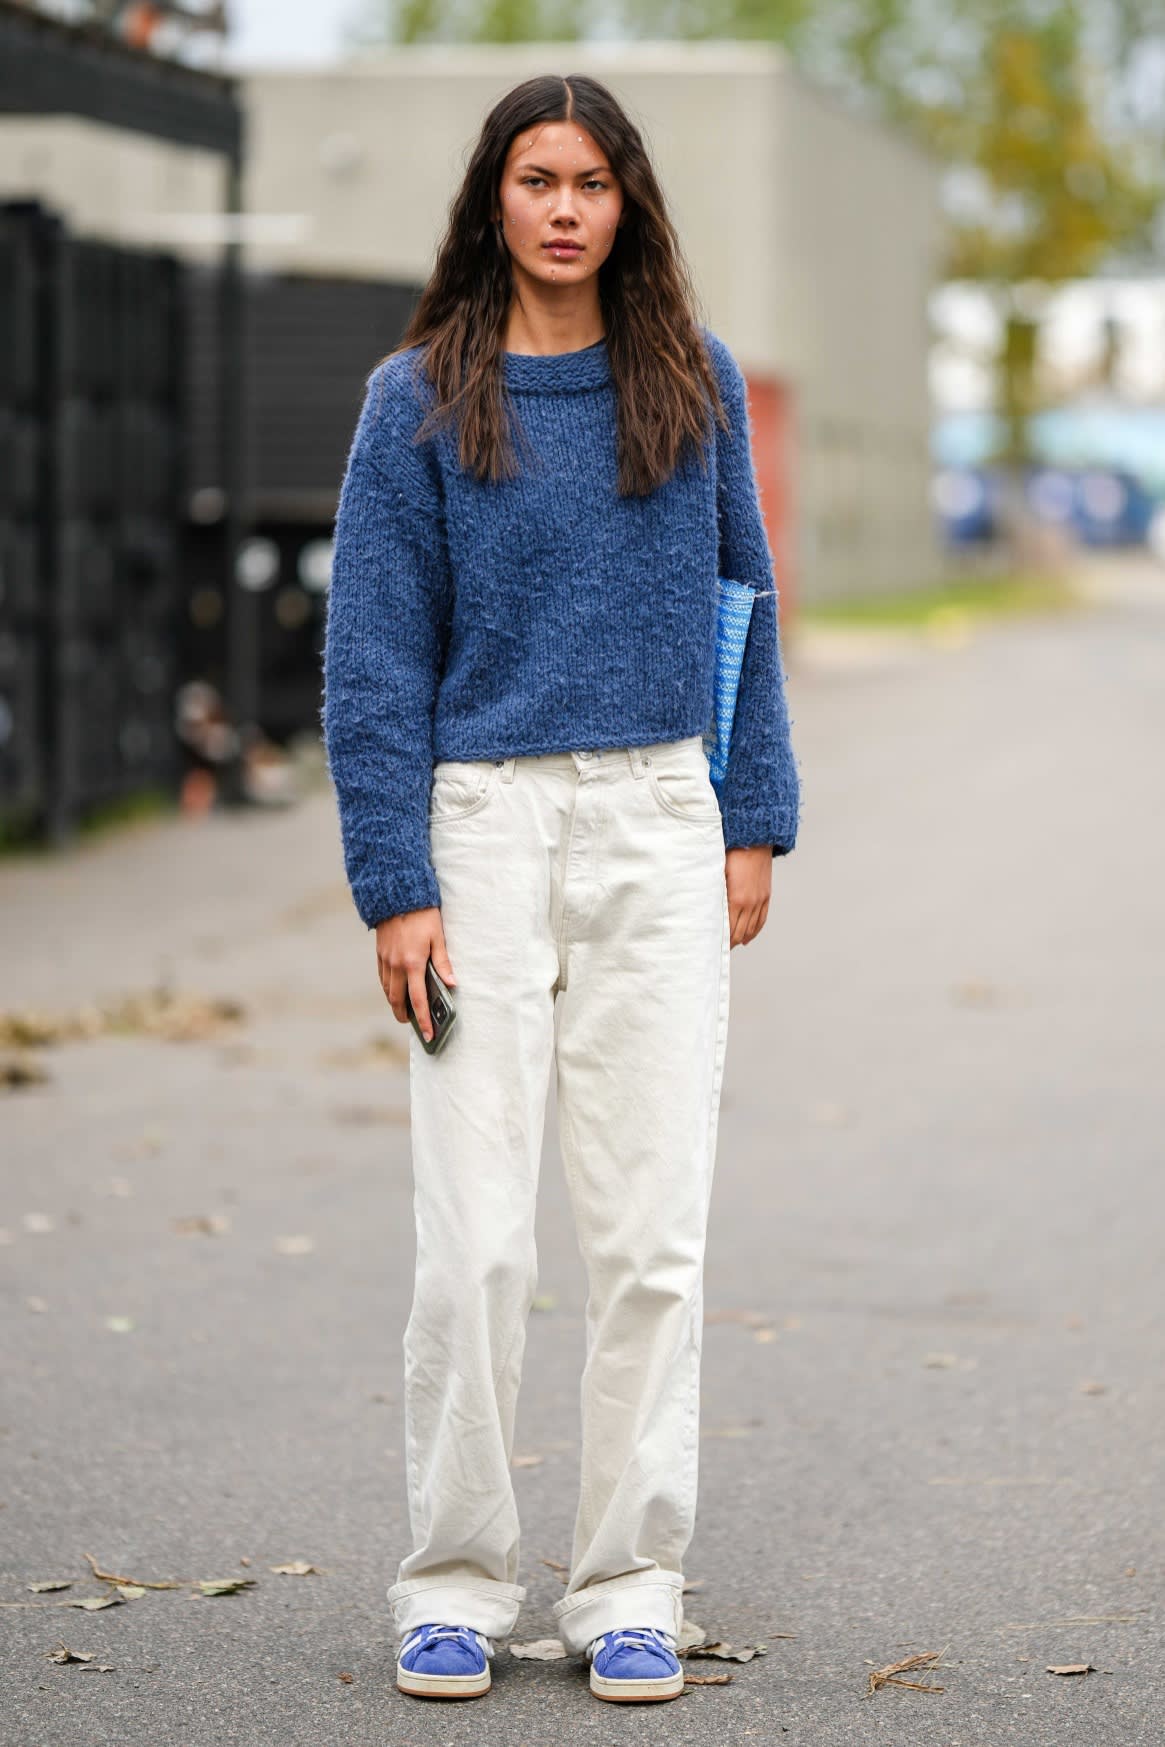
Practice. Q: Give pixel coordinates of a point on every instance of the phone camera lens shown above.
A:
(438, 1010)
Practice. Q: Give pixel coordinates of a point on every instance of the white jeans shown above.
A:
(586, 917)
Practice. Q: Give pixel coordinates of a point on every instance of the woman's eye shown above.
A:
(593, 182)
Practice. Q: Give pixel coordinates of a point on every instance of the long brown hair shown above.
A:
(664, 380)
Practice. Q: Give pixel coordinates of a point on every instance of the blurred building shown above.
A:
(812, 236)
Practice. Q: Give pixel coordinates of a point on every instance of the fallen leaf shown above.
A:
(976, 992)
(544, 1301)
(555, 1565)
(294, 1568)
(62, 1653)
(92, 1603)
(941, 1361)
(159, 1012)
(1071, 1668)
(764, 1334)
(295, 1246)
(131, 1591)
(1076, 1620)
(527, 1461)
(120, 1578)
(692, 1583)
(1091, 1387)
(726, 1653)
(346, 1677)
(18, 1071)
(50, 1583)
(540, 1650)
(224, 1585)
(208, 1224)
(887, 1676)
(120, 1325)
(707, 1679)
(372, 1054)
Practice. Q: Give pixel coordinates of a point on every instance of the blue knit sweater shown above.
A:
(470, 619)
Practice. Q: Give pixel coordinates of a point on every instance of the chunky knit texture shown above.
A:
(470, 619)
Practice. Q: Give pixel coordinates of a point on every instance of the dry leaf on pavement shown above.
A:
(887, 1676)
(727, 1653)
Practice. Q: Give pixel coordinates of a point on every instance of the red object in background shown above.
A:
(139, 24)
(770, 406)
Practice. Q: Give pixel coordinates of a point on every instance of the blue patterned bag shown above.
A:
(733, 615)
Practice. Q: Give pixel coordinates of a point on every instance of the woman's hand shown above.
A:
(404, 946)
(749, 876)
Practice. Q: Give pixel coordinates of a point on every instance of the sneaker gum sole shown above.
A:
(443, 1685)
(666, 1686)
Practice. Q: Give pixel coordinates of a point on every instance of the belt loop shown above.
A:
(638, 762)
(508, 766)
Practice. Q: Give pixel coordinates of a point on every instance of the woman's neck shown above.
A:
(537, 334)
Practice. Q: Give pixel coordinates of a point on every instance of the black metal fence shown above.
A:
(114, 582)
(91, 474)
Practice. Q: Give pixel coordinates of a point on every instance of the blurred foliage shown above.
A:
(1046, 115)
(941, 606)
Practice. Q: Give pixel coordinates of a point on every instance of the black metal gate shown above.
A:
(91, 485)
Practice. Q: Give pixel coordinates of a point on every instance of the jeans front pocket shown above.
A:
(680, 782)
(460, 786)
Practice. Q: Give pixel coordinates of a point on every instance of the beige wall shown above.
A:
(123, 187)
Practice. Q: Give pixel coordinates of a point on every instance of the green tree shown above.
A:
(1049, 121)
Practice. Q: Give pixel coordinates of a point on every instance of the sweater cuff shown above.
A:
(777, 829)
(392, 895)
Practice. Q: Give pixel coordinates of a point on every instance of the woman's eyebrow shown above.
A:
(542, 171)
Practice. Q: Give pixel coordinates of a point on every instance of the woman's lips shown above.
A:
(563, 248)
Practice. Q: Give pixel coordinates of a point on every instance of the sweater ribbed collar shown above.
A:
(558, 372)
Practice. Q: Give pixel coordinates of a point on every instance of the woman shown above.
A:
(546, 480)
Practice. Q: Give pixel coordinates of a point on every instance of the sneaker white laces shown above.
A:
(419, 1632)
(633, 1635)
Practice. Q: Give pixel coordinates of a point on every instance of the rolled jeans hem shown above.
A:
(487, 1606)
(644, 1598)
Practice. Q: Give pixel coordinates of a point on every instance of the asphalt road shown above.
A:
(932, 1407)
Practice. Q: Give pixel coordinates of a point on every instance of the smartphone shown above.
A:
(442, 1011)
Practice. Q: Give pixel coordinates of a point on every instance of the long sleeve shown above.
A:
(760, 794)
(384, 640)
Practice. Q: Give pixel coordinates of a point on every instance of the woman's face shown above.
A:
(558, 190)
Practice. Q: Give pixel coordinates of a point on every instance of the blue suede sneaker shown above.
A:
(635, 1662)
(438, 1661)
